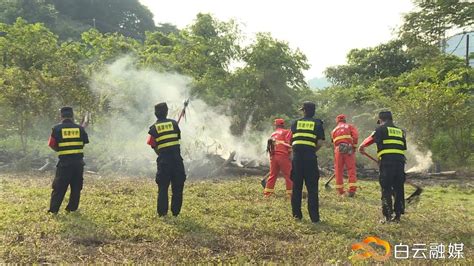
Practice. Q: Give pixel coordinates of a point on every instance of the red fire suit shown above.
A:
(345, 134)
(280, 161)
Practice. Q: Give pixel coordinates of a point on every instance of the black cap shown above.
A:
(66, 111)
(308, 106)
(161, 109)
(384, 116)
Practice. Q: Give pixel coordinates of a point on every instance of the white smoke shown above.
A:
(418, 161)
(131, 93)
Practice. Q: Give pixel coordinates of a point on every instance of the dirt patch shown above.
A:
(89, 241)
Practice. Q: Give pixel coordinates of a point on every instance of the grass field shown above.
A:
(221, 221)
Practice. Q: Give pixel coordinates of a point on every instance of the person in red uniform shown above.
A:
(345, 138)
(280, 151)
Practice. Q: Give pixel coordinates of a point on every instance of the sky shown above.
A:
(325, 31)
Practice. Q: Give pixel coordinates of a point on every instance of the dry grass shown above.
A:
(222, 221)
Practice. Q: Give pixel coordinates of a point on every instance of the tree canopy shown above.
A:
(69, 18)
(50, 55)
(430, 93)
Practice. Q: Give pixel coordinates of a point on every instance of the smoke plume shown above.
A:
(418, 161)
(129, 94)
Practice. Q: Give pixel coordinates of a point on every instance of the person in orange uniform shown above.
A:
(345, 137)
(279, 149)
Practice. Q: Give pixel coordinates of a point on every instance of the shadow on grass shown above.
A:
(199, 236)
(81, 230)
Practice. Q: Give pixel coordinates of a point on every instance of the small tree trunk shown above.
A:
(23, 132)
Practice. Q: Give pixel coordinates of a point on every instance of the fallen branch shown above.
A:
(445, 173)
(220, 169)
(46, 166)
(243, 171)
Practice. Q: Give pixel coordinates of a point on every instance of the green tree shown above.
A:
(167, 28)
(367, 65)
(100, 49)
(69, 18)
(159, 51)
(269, 76)
(435, 101)
(38, 76)
(31, 10)
(271, 81)
(127, 17)
(203, 51)
(429, 24)
(207, 49)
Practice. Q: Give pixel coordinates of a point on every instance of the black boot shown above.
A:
(396, 219)
(386, 220)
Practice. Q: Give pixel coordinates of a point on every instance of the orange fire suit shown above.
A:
(345, 135)
(280, 161)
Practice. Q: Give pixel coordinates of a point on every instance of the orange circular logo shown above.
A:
(370, 251)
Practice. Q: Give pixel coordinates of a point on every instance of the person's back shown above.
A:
(344, 133)
(68, 140)
(308, 133)
(391, 146)
(167, 135)
(282, 140)
(391, 142)
(279, 150)
(344, 137)
(164, 137)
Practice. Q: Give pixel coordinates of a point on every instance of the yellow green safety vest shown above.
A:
(305, 133)
(393, 142)
(167, 135)
(70, 141)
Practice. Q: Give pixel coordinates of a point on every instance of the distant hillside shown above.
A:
(319, 83)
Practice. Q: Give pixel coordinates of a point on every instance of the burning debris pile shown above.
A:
(365, 172)
(17, 161)
(209, 166)
(214, 165)
(4, 160)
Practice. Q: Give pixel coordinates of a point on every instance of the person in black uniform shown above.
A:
(391, 147)
(68, 140)
(164, 138)
(308, 133)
